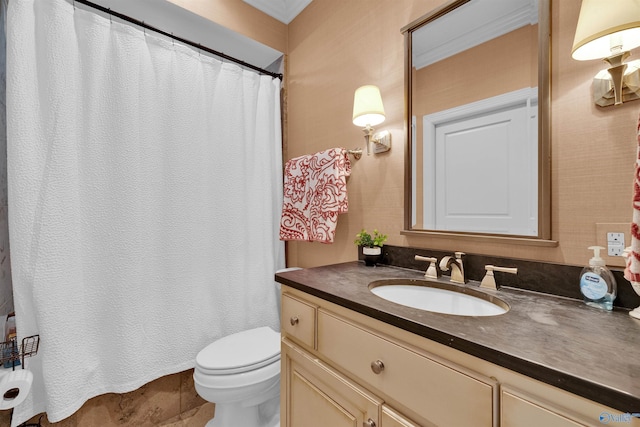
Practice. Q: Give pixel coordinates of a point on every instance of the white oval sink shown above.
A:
(439, 297)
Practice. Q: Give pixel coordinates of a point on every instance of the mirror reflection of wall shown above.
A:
(474, 94)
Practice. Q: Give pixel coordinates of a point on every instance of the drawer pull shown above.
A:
(294, 320)
(377, 367)
(369, 423)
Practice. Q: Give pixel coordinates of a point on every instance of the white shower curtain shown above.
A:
(145, 190)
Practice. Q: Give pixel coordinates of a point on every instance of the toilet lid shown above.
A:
(240, 352)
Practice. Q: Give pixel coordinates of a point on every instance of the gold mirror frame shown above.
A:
(544, 132)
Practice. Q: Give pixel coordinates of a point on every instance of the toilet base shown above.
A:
(266, 414)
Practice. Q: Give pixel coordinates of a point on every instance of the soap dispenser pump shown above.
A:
(597, 284)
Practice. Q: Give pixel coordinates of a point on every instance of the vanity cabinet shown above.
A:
(347, 374)
(343, 368)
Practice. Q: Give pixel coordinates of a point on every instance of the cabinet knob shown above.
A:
(377, 366)
(369, 423)
(294, 320)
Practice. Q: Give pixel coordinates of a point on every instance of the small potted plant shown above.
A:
(371, 245)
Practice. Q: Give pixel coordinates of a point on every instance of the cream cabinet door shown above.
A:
(314, 395)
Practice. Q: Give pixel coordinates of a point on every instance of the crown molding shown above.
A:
(282, 10)
(474, 23)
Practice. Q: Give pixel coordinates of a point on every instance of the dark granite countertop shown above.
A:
(560, 341)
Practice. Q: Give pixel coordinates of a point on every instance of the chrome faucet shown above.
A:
(456, 265)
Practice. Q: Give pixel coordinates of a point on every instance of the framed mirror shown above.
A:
(478, 121)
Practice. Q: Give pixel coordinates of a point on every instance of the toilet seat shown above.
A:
(240, 352)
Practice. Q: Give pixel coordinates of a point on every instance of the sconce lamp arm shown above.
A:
(616, 69)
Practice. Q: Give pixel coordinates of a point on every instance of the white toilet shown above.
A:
(240, 373)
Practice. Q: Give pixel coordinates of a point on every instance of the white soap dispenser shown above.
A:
(597, 284)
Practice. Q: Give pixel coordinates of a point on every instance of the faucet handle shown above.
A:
(432, 272)
(459, 255)
(489, 281)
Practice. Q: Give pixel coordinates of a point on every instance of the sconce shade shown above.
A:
(600, 22)
(367, 106)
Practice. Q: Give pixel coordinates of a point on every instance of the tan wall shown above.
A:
(336, 46)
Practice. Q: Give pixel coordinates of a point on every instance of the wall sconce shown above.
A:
(609, 30)
(368, 111)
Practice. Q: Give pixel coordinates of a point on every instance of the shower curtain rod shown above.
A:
(174, 37)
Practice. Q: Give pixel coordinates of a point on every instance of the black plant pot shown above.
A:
(372, 255)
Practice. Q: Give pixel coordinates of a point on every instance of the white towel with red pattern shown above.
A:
(315, 193)
(632, 271)
(632, 253)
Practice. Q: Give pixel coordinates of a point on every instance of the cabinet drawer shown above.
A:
(519, 410)
(444, 395)
(299, 320)
(391, 418)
